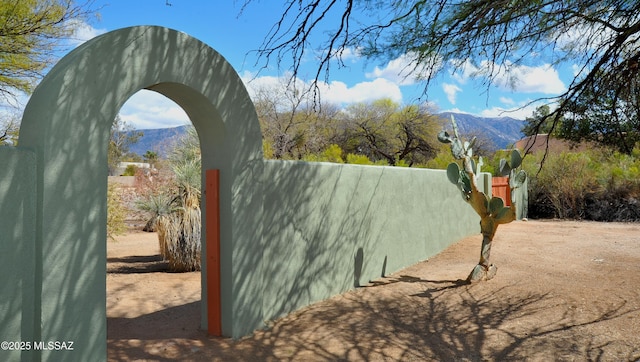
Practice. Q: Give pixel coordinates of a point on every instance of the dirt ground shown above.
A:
(565, 291)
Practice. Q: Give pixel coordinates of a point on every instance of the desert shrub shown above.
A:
(333, 153)
(155, 189)
(130, 170)
(267, 150)
(181, 229)
(358, 159)
(116, 212)
(566, 179)
(179, 236)
(599, 184)
(441, 160)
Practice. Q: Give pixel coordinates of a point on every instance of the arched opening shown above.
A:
(66, 124)
(147, 298)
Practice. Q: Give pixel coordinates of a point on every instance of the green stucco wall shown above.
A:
(330, 227)
(17, 250)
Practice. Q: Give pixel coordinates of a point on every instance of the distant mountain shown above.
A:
(157, 140)
(503, 131)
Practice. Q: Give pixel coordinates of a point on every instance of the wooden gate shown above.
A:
(500, 188)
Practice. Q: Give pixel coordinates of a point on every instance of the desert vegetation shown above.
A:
(170, 197)
(599, 184)
(116, 212)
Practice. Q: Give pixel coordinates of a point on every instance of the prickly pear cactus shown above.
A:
(517, 178)
(492, 211)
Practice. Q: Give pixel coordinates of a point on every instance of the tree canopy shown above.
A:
(9, 129)
(381, 130)
(600, 38)
(539, 122)
(30, 32)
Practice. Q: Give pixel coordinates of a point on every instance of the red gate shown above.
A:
(500, 188)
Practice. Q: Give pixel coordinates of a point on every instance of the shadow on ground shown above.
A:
(418, 319)
(137, 264)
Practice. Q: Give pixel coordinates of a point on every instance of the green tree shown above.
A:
(540, 122)
(600, 38)
(30, 32)
(122, 136)
(151, 158)
(9, 129)
(383, 130)
(590, 118)
(291, 126)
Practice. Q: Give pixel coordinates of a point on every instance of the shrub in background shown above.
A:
(130, 170)
(599, 184)
(116, 212)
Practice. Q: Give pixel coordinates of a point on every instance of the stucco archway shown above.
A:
(67, 123)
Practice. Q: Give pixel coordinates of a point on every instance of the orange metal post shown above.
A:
(214, 308)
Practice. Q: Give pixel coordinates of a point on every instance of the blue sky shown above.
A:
(234, 35)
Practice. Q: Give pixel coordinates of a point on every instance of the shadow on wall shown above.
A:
(358, 262)
(317, 220)
(17, 234)
(329, 227)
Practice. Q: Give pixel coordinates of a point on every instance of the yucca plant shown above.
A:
(155, 205)
(175, 209)
(159, 207)
(182, 228)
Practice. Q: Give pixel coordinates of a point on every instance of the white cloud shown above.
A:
(15, 102)
(83, 32)
(578, 69)
(339, 93)
(542, 79)
(517, 78)
(513, 112)
(467, 71)
(508, 101)
(402, 71)
(335, 92)
(451, 90)
(254, 83)
(454, 110)
(350, 54)
(584, 37)
(147, 110)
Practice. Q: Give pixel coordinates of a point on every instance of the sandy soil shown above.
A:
(565, 291)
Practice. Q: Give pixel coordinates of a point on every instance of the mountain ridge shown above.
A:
(502, 131)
